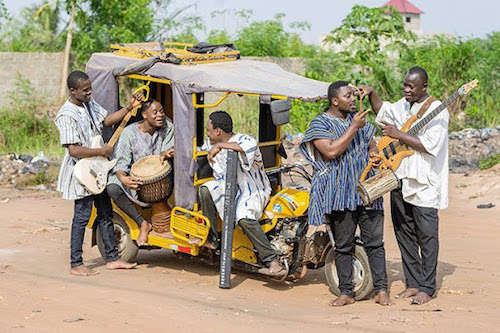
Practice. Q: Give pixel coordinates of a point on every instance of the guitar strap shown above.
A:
(425, 107)
(86, 106)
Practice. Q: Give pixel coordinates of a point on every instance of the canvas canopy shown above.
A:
(240, 76)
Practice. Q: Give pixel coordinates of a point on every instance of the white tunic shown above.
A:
(424, 175)
(253, 188)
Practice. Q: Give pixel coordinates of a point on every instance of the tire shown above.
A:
(127, 248)
(362, 276)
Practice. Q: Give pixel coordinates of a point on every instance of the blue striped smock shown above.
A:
(334, 181)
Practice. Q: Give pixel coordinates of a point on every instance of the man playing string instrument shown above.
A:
(424, 175)
(79, 120)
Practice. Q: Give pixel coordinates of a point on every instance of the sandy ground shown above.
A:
(170, 293)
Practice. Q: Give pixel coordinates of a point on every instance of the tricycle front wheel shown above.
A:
(361, 274)
(127, 248)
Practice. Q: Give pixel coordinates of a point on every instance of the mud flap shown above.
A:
(229, 220)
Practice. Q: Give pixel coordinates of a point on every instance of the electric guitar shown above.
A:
(392, 151)
(92, 172)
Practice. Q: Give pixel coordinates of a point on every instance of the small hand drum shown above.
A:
(156, 177)
(373, 188)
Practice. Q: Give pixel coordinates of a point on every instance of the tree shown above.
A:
(368, 35)
(104, 22)
(32, 32)
(451, 61)
(270, 38)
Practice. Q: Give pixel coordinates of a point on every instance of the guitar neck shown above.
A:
(417, 127)
(120, 128)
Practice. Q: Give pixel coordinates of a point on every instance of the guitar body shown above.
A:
(92, 172)
(392, 151)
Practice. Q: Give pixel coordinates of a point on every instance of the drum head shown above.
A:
(150, 167)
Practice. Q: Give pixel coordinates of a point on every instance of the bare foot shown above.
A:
(421, 298)
(383, 298)
(342, 300)
(210, 246)
(120, 264)
(82, 270)
(143, 234)
(275, 267)
(408, 292)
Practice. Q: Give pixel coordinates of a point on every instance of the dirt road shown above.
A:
(172, 294)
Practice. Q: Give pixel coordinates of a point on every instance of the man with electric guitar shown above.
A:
(424, 179)
(79, 121)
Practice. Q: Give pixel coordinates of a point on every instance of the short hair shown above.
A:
(74, 79)
(333, 89)
(422, 73)
(222, 120)
(145, 105)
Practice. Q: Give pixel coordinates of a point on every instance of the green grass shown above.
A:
(23, 133)
(490, 161)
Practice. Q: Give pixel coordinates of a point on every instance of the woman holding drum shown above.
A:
(152, 142)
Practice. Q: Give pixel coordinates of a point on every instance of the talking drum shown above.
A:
(156, 178)
(373, 188)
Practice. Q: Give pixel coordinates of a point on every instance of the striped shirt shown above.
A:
(253, 188)
(334, 181)
(135, 144)
(77, 125)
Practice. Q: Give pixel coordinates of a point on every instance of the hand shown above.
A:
(390, 130)
(106, 151)
(375, 159)
(359, 120)
(211, 154)
(131, 182)
(166, 155)
(365, 90)
(136, 100)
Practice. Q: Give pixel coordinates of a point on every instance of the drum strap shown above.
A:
(425, 107)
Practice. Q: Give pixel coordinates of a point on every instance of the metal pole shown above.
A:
(229, 220)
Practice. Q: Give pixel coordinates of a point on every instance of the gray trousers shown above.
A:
(250, 227)
(118, 195)
(416, 230)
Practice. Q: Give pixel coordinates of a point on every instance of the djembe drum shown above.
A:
(374, 187)
(157, 185)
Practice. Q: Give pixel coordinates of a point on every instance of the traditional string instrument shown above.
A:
(92, 172)
(392, 151)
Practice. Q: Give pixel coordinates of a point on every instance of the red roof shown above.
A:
(404, 7)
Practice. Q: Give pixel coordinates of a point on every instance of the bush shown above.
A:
(25, 125)
(490, 161)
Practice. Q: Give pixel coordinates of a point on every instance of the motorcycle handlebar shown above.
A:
(287, 167)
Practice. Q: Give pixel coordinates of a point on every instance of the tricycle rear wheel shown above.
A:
(361, 275)
(127, 248)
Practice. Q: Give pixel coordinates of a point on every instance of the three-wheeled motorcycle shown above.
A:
(182, 78)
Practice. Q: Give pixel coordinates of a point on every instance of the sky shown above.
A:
(460, 17)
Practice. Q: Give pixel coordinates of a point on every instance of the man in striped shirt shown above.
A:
(338, 144)
(79, 120)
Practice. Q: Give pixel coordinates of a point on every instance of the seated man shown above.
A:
(154, 135)
(253, 186)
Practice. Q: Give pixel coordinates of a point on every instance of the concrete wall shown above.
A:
(42, 69)
(414, 24)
